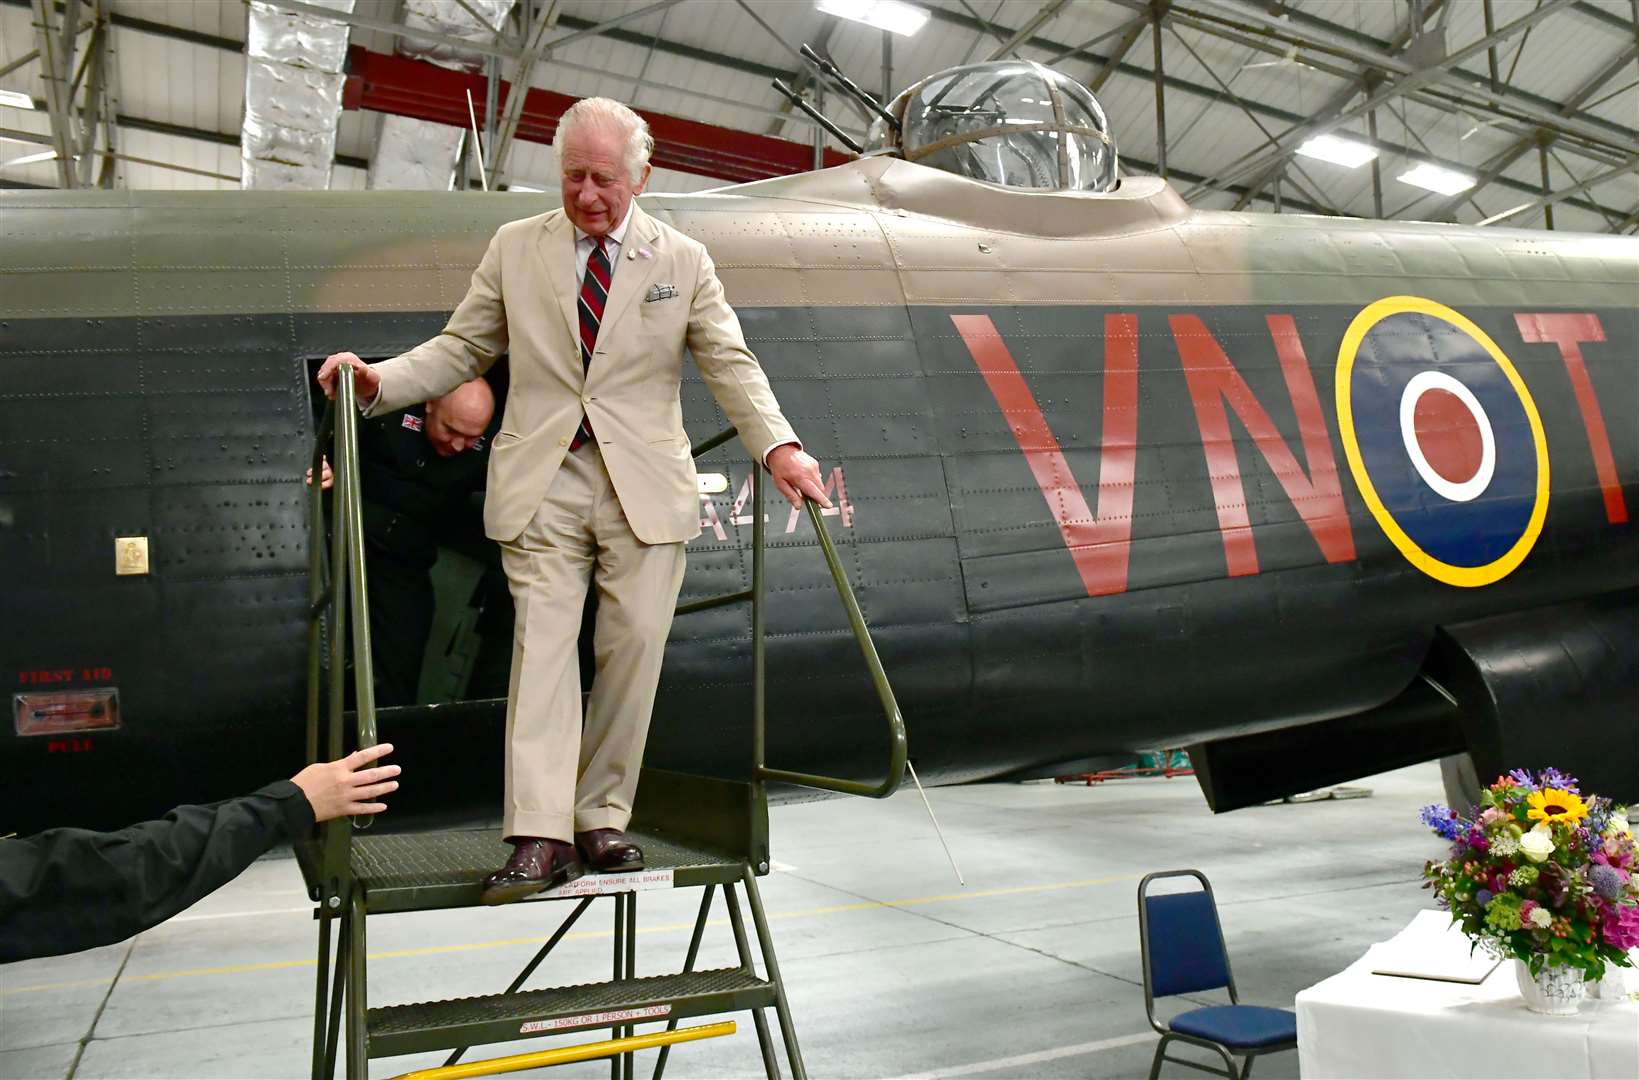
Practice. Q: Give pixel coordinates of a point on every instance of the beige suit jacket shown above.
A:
(523, 299)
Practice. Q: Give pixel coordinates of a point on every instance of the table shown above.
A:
(1357, 1024)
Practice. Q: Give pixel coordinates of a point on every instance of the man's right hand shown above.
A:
(365, 380)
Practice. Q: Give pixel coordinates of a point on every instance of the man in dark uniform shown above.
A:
(64, 890)
(418, 470)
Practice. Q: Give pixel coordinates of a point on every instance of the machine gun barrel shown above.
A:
(818, 117)
(829, 69)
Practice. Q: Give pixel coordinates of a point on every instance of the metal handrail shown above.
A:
(899, 748)
(343, 594)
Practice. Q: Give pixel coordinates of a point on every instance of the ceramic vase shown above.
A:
(1557, 991)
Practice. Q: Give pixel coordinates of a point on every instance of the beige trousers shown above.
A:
(563, 776)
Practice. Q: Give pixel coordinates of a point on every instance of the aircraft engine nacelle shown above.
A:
(1555, 686)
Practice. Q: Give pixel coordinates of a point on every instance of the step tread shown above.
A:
(464, 857)
(559, 1001)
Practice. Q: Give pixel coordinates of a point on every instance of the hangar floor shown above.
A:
(893, 969)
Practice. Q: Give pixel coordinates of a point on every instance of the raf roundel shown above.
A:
(1443, 440)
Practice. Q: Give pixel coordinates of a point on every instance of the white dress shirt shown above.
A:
(584, 243)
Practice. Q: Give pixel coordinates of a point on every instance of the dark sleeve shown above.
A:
(64, 890)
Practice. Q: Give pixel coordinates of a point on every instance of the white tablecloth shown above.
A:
(1357, 1024)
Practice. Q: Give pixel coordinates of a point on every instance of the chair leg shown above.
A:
(1155, 1062)
(1246, 1067)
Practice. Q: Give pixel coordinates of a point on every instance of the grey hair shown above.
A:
(606, 112)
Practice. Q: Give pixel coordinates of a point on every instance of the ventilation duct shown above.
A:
(293, 81)
(418, 155)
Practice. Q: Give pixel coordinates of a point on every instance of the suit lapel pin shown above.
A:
(645, 252)
(631, 255)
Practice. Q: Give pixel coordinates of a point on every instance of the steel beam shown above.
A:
(1157, 13)
(1631, 165)
(1313, 193)
(956, 18)
(1255, 163)
(45, 140)
(27, 58)
(522, 73)
(1045, 14)
(1140, 21)
(54, 67)
(96, 60)
(1502, 160)
(407, 87)
(1315, 33)
(1113, 63)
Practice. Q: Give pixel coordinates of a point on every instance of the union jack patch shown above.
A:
(412, 421)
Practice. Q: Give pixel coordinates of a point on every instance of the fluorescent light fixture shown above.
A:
(1349, 153)
(523, 187)
(1437, 179)
(905, 19)
(16, 99)
(29, 159)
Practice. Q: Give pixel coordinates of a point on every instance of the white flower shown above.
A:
(1618, 825)
(1505, 845)
(1537, 844)
(1540, 918)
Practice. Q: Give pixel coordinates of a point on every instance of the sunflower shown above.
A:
(1553, 804)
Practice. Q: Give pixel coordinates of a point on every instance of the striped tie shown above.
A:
(594, 291)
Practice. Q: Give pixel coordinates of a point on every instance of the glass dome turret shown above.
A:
(1013, 123)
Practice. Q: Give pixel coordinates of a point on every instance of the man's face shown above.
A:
(450, 432)
(596, 186)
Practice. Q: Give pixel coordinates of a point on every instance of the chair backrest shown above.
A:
(1182, 943)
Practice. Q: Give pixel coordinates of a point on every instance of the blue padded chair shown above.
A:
(1183, 948)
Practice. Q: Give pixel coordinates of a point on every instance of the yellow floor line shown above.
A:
(585, 935)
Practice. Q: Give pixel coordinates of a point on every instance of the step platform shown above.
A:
(444, 1025)
(428, 871)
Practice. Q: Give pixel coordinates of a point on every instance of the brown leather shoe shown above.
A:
(608, 850)
(535, 866)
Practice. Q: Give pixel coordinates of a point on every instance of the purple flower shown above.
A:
(1442, 820)
(1621, 926)
(1607, 881)
(1476, 839)
(1522, 777)
(1553, 778)
(1482, 897)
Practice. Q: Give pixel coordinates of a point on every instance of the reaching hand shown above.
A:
(338, 788)
(365, 379)
(326, 479)
(797, 475)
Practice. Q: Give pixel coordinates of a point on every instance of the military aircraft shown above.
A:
(1314, 497)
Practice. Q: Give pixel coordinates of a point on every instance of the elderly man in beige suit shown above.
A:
(590, 477)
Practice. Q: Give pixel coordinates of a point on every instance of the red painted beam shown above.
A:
(416, 88)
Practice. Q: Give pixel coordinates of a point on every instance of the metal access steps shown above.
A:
(427, 871)
(494, 1018)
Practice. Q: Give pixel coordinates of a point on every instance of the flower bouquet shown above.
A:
(1539, 873)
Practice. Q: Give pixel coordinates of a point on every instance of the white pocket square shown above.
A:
(660, 292)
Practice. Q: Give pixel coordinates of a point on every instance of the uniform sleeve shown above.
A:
(64, 890)
(470, 342)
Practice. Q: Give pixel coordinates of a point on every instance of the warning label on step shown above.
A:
(609, 884)
(614, 1016)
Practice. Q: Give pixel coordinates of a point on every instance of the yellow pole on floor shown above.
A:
(563, 1055)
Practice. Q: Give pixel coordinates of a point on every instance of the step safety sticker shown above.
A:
(609, 884)
(613, 1016)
